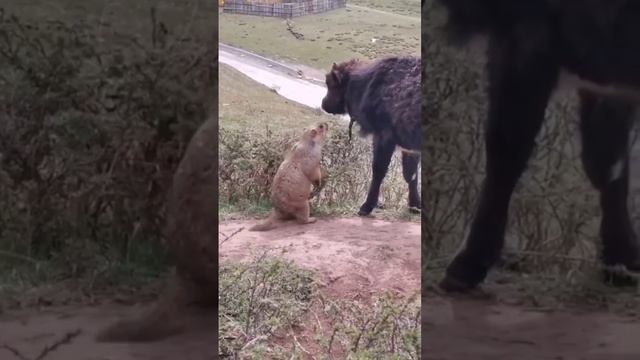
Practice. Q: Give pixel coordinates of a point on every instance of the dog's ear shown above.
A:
(337, 76)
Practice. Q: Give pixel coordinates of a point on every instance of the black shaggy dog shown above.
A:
(530, 44)
(384, 98)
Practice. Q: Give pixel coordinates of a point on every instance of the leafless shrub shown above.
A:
(250, 158)
(89, 138)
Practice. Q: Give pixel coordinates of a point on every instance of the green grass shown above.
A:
(45, 284)
(79, 275)
(401, 7)
(328, 37)
(248, 105)
(251, 210)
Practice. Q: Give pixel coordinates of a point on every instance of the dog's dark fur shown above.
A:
(384, 98)
(530, 43)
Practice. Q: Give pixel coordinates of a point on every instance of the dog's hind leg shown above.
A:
(520, 85)
(410, 173)
(383, 149)
(605, 125)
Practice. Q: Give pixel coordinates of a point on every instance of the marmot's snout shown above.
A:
(321, 130)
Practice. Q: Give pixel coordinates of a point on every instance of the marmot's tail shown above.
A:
(270, 223)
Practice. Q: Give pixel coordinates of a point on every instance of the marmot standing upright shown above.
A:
(292, 185)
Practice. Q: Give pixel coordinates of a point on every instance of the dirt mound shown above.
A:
(351, 255)
(30, 332)
(460, 328)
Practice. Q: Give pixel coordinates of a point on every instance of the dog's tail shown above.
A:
(270, 223)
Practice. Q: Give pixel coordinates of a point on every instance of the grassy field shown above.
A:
(249, 106)
(410, 8)
(328, 37)
(257, 126)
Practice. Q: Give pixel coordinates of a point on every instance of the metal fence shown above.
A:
(275, 8)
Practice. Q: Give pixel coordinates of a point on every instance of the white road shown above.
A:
(296, 83)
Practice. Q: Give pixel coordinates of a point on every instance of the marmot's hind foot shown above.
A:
(309, 220)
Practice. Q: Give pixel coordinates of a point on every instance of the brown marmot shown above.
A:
(292, 185)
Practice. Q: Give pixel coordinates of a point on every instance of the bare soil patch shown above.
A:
(351, 255)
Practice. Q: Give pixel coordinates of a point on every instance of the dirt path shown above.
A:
(30, 332)
(352, 255)
(457, 328)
